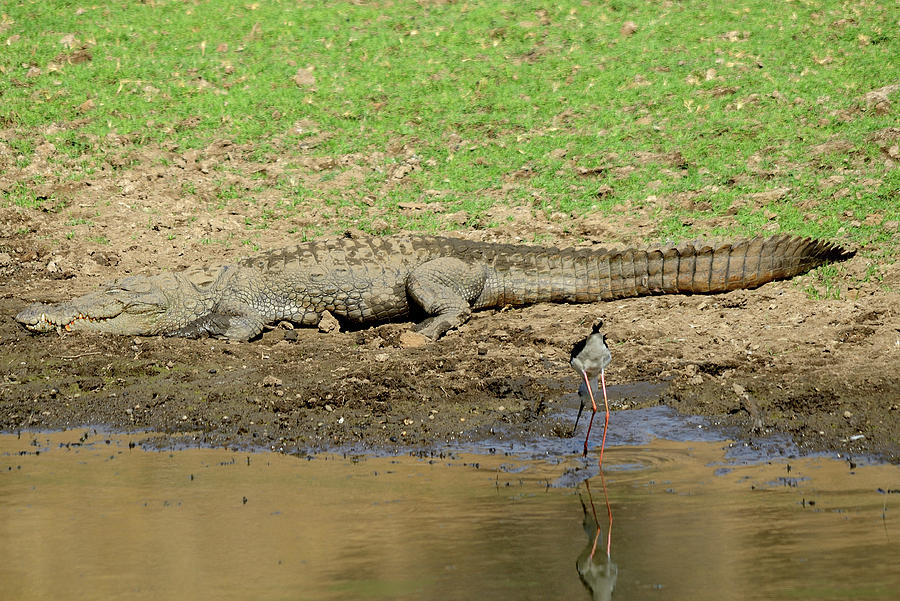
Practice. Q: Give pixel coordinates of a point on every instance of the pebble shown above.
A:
(328, 323)
(271, 380)
(412, 340)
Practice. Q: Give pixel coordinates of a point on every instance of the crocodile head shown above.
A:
(160, 304)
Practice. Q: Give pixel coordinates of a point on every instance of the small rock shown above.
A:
(847, 414)
(412, 340)
(628, 28)
(328, 323)
(271, 380)
(381, 357)
(5, 259)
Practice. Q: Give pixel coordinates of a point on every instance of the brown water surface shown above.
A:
(85, 516)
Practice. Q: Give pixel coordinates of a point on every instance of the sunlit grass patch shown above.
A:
(693, 116)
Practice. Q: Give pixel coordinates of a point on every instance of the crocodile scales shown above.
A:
(368, 280)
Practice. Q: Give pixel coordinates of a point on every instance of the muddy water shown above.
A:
(88, 516)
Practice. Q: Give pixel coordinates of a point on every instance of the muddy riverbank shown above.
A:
(765, 361)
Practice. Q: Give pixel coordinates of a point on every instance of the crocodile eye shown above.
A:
(139, 307)
(120, 287)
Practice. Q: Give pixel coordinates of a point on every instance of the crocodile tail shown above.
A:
(744, 264)
(588, 275)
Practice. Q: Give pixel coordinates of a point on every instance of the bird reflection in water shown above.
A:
(595, 567)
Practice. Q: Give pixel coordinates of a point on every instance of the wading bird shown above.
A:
(590, 357)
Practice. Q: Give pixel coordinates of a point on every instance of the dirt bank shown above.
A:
(766, 360)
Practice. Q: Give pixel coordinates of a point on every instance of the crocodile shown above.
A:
(367, 280)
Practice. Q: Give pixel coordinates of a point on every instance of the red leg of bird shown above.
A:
(606, 424)
(587, 484)
(609, 513)
(593, 412)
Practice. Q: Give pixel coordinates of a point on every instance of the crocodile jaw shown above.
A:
(45, 318)
(82, 315)
(131, 306)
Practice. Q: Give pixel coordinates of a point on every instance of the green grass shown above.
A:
(718, 102)
(826, 284)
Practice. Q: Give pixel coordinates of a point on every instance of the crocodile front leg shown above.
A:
(233, 321)
(445, 288)
(240, 306)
